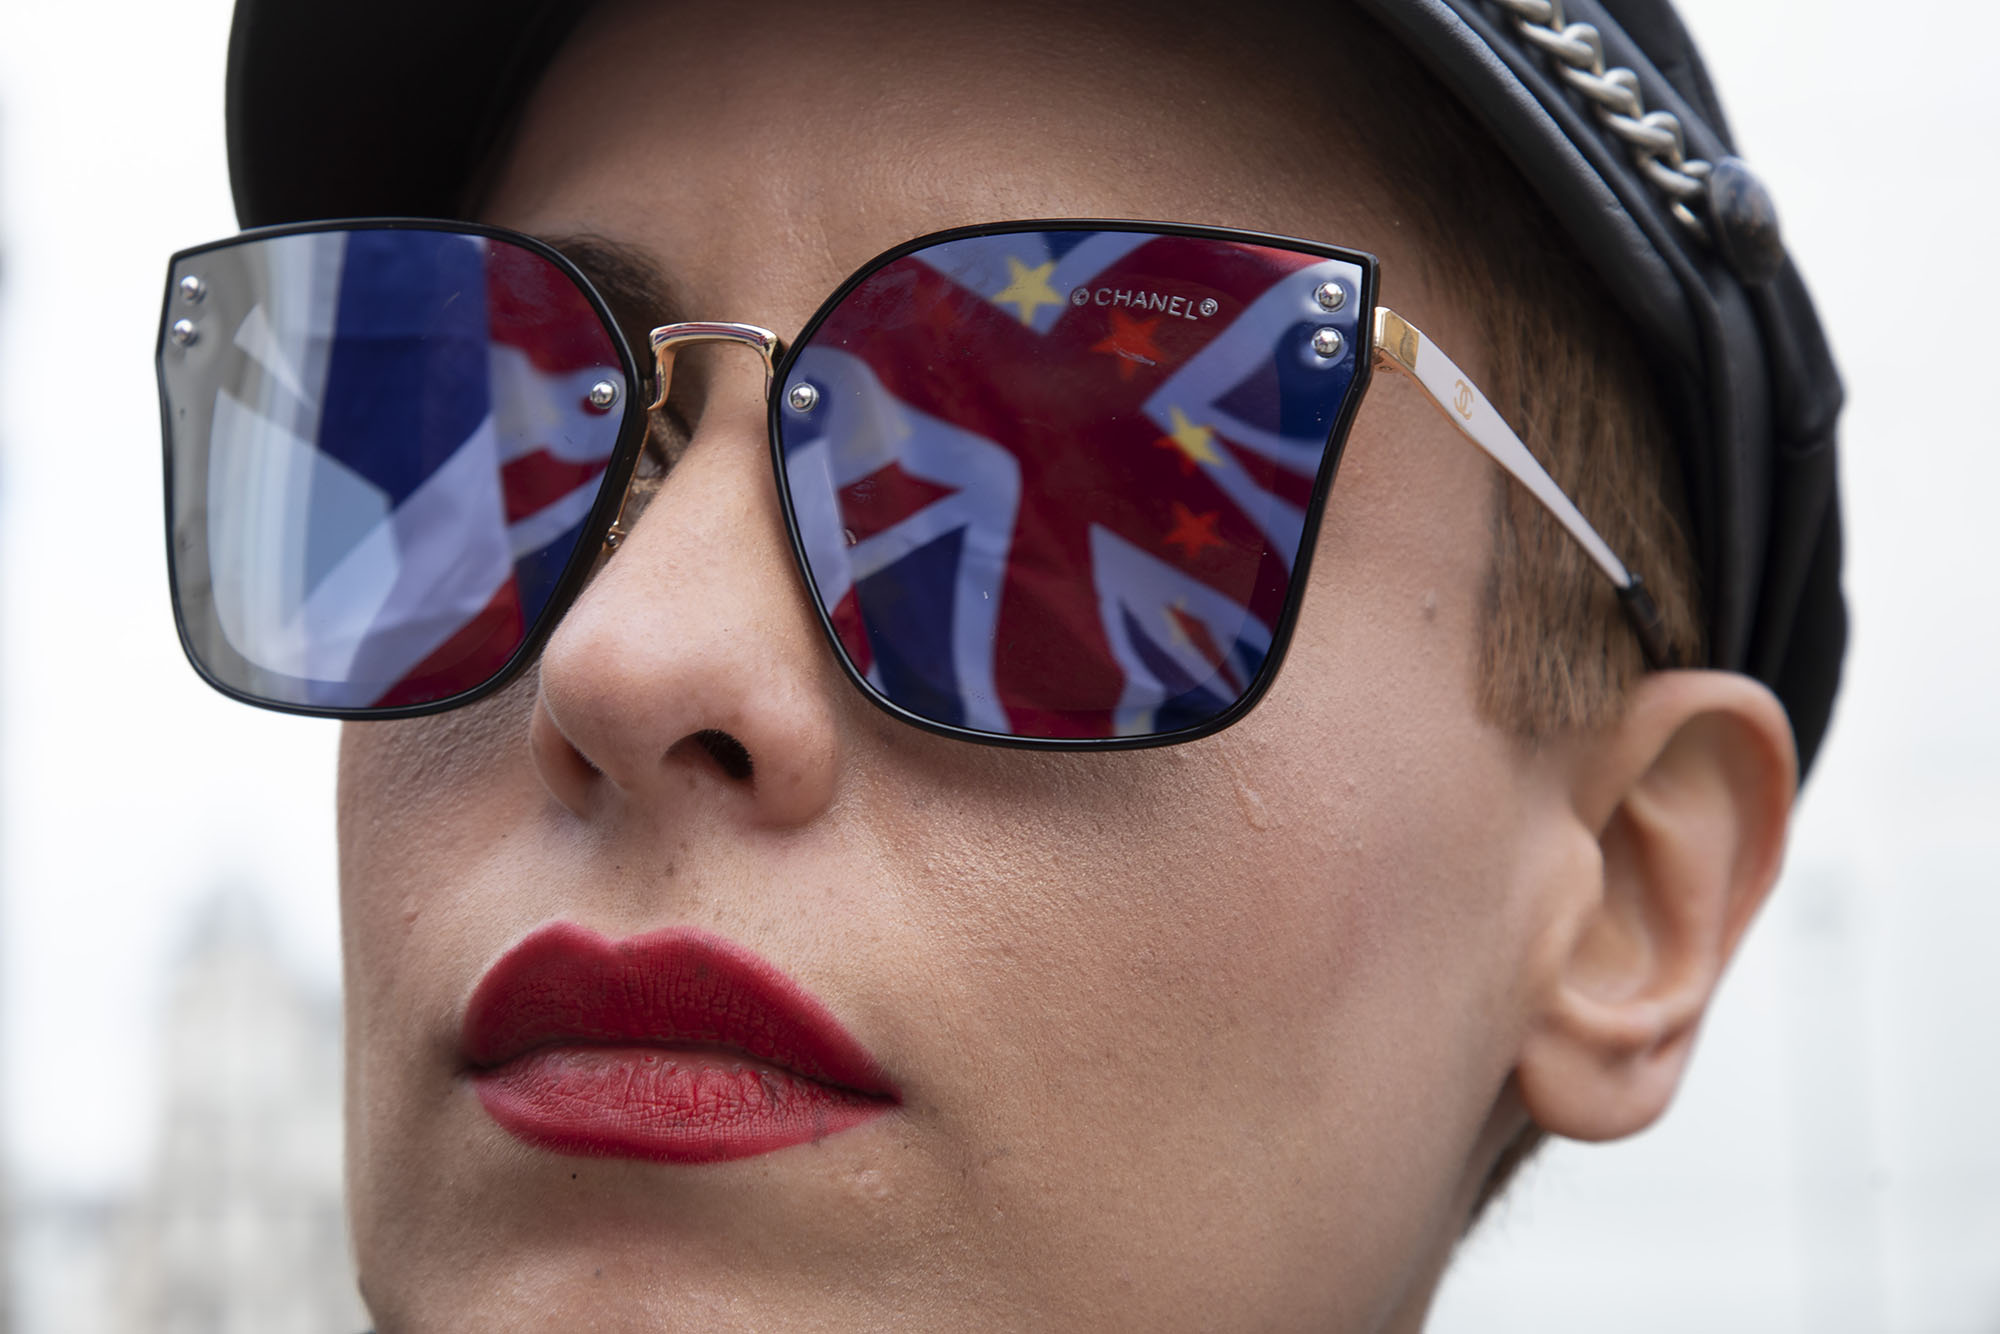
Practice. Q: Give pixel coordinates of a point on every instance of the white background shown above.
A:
(1833, 1163)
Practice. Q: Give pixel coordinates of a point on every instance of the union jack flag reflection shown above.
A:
(1054, 483)
(401, 454)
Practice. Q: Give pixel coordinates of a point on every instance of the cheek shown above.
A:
(421, 802)
(1286, 869)
(1252, 962)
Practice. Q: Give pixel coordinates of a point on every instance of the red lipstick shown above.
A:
(676, 1047)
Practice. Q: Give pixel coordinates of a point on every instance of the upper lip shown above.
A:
(566, 985)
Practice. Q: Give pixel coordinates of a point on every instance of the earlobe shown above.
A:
(1688, 796)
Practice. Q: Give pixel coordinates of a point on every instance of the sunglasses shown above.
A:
(1052, 484)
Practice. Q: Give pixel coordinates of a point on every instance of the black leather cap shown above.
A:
(367, 108)
(1744, 362)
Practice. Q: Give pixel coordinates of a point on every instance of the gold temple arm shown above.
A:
(1402, 346)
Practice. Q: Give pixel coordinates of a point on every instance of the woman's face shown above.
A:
(1212, 1035)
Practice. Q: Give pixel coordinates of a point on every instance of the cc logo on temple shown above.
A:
(1463, 400)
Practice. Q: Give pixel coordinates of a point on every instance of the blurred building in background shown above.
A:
(239, 1227)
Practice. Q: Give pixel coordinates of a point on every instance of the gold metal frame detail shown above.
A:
(667, 341)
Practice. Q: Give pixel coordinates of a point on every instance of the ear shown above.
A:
(1688, 797)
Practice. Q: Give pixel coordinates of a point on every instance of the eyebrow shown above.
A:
(637, 289)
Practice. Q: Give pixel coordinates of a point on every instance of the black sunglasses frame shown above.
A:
(617, 473)
(1281, 633)
(631, 438)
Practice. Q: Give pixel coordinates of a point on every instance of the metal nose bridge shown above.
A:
(669, 339)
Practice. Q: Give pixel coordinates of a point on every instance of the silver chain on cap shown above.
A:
(1653, 137)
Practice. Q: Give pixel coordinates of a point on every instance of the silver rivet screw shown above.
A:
(1208, 306)
(193, 289)
(1328, 342)
(183, 332)
(1331, 296)
(603, 394)
(802, 397)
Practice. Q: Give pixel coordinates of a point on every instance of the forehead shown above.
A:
(758, 156)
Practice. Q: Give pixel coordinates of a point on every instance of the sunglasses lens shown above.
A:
(1054, 484)
(385, 447)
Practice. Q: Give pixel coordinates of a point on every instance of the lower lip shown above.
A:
(663, 1105)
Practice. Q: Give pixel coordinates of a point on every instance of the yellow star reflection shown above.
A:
(1028, 289)
(1196, 443)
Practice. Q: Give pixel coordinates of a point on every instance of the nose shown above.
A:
(693, 657)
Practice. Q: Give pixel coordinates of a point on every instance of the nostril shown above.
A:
(727, 752)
